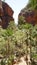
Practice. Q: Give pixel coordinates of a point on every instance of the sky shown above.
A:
(17, 6)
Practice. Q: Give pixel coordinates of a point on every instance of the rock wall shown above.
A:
(6, 15)
(30, 16)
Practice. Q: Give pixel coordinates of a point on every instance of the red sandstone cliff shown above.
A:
(30, 16)
(6, 15)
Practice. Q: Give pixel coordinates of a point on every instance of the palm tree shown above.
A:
(1, 8)
(0, 4)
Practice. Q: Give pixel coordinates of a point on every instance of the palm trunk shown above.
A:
(1, 12)
(1, 8)
(0, 4)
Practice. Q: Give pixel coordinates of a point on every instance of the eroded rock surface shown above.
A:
(6, 15)
(30, 16)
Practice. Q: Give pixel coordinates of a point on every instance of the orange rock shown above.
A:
(6, 15)
(29, 16)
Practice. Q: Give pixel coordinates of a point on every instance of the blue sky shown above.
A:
(17, 5)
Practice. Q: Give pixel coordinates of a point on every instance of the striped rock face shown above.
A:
(6, 15)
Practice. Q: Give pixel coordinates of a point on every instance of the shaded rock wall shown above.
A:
(6, 15)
